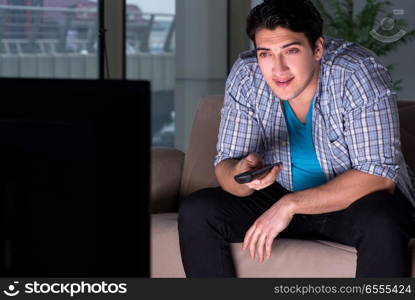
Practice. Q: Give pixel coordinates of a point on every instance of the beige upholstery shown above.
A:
(165, 251)
(285, 261)
(290, 257)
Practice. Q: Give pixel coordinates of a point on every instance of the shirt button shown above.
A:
(284, 143)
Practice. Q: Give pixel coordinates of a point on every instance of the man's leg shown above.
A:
(211, 218)
(378, 225)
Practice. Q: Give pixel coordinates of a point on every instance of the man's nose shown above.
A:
(280, 66)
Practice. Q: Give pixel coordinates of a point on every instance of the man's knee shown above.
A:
(379, 219)
(378, 224)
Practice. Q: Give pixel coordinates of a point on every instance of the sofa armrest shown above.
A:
(166, 175)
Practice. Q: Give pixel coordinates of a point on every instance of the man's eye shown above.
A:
(263, 54)
(292, 51)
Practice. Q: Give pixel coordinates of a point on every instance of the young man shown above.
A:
(326, 110)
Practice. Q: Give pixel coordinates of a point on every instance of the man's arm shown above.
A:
(239, 132)
(325, 198)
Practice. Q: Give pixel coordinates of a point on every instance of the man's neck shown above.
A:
(300, 105)
(309, 93)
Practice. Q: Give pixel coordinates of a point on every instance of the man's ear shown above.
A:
(319, 48)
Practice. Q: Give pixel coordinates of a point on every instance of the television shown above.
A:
(74, 178)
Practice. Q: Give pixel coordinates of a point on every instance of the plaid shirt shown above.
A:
(355, 117)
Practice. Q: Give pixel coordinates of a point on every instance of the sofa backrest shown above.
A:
(198, 170)
(407, 123)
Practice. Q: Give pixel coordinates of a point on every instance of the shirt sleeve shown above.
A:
(372, 121)
(239, 132)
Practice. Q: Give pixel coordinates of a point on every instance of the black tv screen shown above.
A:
(74, 178)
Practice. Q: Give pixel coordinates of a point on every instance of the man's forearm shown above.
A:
(338, 193)
(225, 172)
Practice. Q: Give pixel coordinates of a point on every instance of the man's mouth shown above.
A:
(283, 82)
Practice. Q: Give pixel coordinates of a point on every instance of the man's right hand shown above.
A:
(227, 169)
(254, 161)
(248, 163)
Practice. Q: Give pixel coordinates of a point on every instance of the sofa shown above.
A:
(175, 174)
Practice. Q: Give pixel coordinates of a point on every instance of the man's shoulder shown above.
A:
(245, 68)
(247, 60)
(248, 56)
(346, 56)
(356, 68)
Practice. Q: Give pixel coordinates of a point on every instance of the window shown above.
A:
(49, 38)
(150, 47)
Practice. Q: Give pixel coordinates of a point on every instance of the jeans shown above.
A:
(377, 225)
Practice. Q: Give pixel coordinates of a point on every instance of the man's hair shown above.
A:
(295, 15)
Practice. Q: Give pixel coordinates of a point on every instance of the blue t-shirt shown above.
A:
(306, 169)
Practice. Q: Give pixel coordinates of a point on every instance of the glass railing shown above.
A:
(151, 56)
(47, 30)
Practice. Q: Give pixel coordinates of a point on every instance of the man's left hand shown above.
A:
(266, 228)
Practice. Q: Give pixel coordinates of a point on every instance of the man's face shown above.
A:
(288, 63)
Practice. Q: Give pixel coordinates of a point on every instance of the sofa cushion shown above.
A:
(165, 259)
(299, 258)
